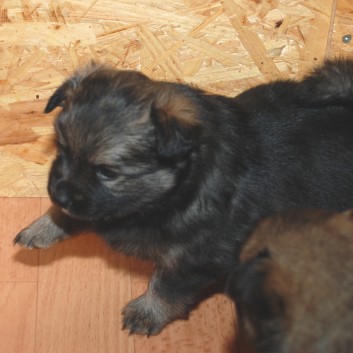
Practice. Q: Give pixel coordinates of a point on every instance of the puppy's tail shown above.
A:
(332, 83)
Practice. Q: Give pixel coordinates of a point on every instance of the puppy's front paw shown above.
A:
(30, 238)
(145, 316)
(42, 233)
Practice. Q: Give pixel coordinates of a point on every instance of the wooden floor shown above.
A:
(68, 299)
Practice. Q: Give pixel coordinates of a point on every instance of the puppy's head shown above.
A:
(124, 142)
(291, 287)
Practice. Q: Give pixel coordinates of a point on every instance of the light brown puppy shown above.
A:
(294, 288)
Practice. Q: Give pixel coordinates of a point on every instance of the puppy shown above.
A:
(294, 284)
(169, 173)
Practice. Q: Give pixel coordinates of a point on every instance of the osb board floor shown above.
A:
(223, 46)
(69, 298)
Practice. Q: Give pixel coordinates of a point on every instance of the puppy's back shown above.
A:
(331, 83)
(294, 287)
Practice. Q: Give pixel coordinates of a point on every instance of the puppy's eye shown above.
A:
(105, 172)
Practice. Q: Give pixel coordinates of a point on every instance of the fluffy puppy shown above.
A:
(294, 284)
(166, 172)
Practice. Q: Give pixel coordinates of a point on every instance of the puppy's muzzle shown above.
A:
(64, 195)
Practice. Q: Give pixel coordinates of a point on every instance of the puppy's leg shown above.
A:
(170, 296)
(46, 230)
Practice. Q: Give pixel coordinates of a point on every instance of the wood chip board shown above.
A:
(222, 46)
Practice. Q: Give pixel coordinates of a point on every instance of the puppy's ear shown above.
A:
(175, 116)
(259, 287)
(59, 96)
(62, 95)
(246, 283)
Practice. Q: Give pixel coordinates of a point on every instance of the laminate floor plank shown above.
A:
(17, 264)
(18, 301)
(69, 298)
(82, 287)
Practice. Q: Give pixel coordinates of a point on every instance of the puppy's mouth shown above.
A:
(68, 213)
(83, 218)
(72, 215)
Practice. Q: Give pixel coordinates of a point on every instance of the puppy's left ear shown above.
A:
(176, 118)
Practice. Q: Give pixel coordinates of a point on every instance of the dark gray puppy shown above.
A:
(294, 285)
(166, 172)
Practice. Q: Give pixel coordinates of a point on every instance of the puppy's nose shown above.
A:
(61, 195)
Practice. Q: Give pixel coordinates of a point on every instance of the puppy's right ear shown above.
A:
(59, 96)
(63, 93)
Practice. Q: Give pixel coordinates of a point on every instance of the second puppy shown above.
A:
(294, 285)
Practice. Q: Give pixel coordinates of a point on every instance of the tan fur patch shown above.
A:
(175, 105)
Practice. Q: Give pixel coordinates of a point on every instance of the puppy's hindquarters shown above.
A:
(331, 83)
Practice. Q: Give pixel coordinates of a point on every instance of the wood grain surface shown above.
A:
(68, 299)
